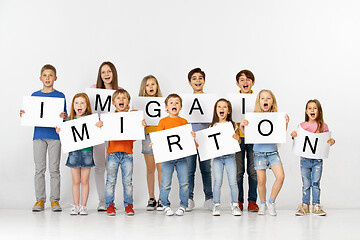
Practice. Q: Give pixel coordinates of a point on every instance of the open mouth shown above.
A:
(79, 111)
(108, 78)
(121, 105)
(222, 113)
(312, 115)
(245, 86)
(174, 109)
(266, 105)
(151, 91)
(197, 84)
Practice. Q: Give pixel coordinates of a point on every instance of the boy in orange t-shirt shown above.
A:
(173, 105)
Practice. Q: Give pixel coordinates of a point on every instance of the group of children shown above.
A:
(120, 153)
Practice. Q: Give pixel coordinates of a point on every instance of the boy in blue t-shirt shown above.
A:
(47, 140)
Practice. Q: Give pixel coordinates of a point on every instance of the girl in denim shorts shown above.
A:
(266, 155)
(80, 161)
(311, 169)
(150, 88)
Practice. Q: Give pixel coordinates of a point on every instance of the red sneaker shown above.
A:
(129, 210)
(241, 205)
(111, 210)
(253, 207)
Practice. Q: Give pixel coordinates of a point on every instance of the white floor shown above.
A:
(199, 224)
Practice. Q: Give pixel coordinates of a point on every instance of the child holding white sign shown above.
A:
(222, 114)
(266, 155)
(311, 169)
(80, 161)
(47, 140)
(150, 88)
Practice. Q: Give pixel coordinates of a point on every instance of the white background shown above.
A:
(298, 49)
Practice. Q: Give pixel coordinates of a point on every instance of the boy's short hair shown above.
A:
(247, 73)
(173, 95)
(196, 70)
(48, 67)
(120, 91)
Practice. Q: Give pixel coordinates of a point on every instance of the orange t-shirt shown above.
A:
(169, 122)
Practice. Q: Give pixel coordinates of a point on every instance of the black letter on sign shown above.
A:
(271, 127)
(156, 110)
(243, 106)
(216, 142)
(98, 101)
(121, 125)
(83, 129)
(198, 107)
(313, 150)
(172, 143)
(42, 110)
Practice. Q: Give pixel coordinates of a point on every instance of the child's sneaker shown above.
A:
(111, 210)
(253, 207)
(191, 205)
(235, 210)
(55, 206)
(159, 206)
(180, 211)
(129, 210)
(302, 210)
(38, 206)
(272, 209)
(262, 209)
(317, 210)
(151, 205)
(216, 209)
(241, 206)
(208, 204)
(102, 206)
(74, 210)
(83, 210)
(168, 211)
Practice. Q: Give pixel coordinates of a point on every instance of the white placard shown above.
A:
(311, 145)
(217, 141)
(265, 128)
(80, 133)
(122, 126)
(42, 111)
(153, 107)
(173, 143)
(241, 103)
(100, 100)
(198, 108)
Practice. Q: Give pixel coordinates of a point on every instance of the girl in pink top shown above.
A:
(107, 79)
(311, 169)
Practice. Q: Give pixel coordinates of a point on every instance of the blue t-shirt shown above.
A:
(47, 132)
(265, 147)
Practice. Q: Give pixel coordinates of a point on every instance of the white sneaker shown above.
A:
(262, 209)
(74, 210)
(235, 210)
(272, 209)
(191, 205)
(180, 211)
(216, 209)
(102, 206)
(168, 211)
(208, 204)
(83, 210)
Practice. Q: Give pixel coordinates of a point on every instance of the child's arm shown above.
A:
(193, 134)
(287, 120)
(243, 123)
(143, 123)
(236, 136)
(21, 112)
(63, 115)
(293, 134)
(331, 141)
(99, 124)
(57, 130)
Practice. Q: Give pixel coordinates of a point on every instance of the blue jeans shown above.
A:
(205, 169)
(218, 167)
(311, 170)
(250, 170)
(167, 169)
(125, 161)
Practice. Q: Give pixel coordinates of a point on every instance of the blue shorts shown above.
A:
(146, 149)
(265, 160)
(80, 158)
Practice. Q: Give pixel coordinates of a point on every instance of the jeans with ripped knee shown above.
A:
(311, 170)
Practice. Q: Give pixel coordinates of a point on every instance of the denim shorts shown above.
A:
(265, 160)
(146, 149)
(80, 158)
